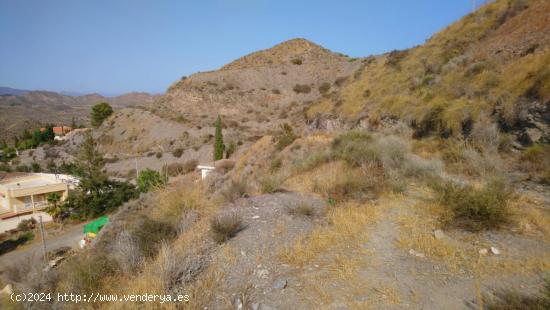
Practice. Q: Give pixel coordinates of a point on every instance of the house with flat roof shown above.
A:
(22, 193)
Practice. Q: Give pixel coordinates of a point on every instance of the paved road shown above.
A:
(69, 237)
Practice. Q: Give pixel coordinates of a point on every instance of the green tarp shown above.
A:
(96, 225)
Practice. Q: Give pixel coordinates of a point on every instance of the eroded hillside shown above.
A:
(493, 64)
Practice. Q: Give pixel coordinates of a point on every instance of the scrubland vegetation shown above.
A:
(436, 186)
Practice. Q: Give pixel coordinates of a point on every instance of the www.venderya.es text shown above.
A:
(97, 297)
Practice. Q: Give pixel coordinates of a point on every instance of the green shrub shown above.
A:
(476, 209)
(296, 61)
(148, 179)
(12, 243)
(158, 155)
(100, 112)
(26, 225)
(226, 226)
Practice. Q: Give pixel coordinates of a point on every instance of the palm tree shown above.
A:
(54, 208)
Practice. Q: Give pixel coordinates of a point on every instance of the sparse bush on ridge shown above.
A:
(302, 89)
(177, 152)
(324, 88)
(225, 226)
(476, 208)
(296, 61)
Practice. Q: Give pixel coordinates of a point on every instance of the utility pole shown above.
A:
(43, 240)
(137, 173)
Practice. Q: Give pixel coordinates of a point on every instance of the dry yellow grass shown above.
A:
(533, 220)
(323, 176)
(258, 149)
(347, 226)
(416, 232)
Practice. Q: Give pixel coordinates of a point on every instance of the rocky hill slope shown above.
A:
(493, 64)
(254, 95)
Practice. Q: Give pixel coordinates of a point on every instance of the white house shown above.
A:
(205, 170)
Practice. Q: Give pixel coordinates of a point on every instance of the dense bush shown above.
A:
(476, 208)
(82, 205)
(100, 112)
(148, 180)
(12, 243)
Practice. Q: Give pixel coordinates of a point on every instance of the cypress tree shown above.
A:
(218, 143)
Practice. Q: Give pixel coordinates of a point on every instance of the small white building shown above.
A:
(205, 170)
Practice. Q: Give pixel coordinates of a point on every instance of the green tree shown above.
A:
(89, 165)
(54, 209)
(48, 134)
(218, 142)
(100, 112)
(148, 179)
(36, 167)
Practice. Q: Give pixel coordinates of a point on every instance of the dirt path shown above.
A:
(69, 237)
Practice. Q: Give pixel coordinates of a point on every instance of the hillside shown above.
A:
(493, 64)
(417, 179)
(29, 109)
(254, 95)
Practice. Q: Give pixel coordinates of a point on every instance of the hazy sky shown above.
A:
(116, 46)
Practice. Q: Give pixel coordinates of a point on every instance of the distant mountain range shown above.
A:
(25, 109)
(12, 91)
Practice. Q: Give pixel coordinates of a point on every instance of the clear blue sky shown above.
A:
(116, 46)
